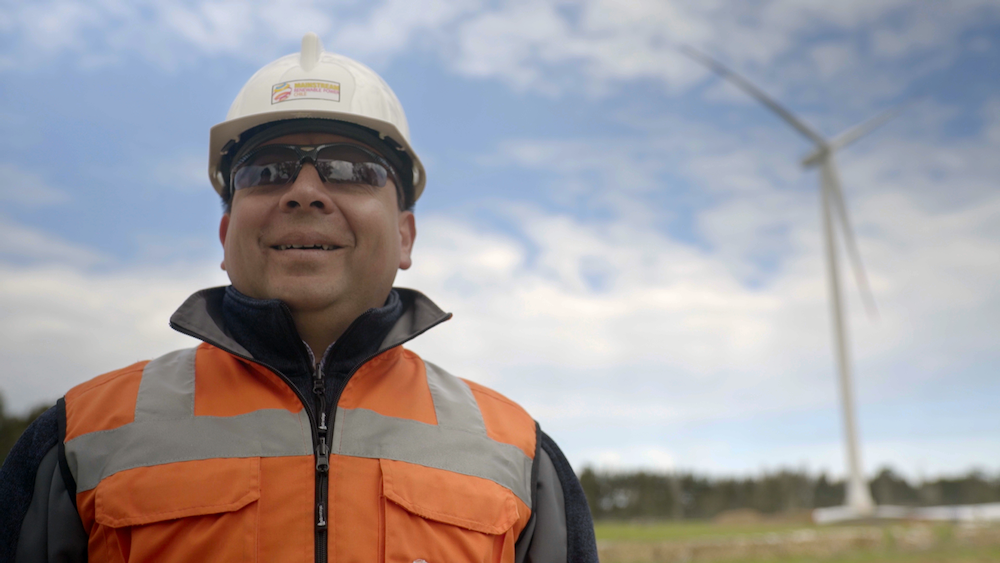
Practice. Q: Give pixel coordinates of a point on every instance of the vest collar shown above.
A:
(204, 316)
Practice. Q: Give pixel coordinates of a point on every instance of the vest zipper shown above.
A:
(323, 449)
(320, 423)
(322, 463)
(322, 515)
(320, 428)
(325, 416)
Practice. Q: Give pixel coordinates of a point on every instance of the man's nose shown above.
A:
(307, 192)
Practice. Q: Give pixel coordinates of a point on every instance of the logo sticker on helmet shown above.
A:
(305, 90)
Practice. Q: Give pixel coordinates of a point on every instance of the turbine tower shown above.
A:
(859, 501)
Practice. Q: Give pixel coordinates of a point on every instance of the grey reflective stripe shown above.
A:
(167, 387)
(454, 404)
(263, 433)
(365, 433)
(166, 430)
(458, 442)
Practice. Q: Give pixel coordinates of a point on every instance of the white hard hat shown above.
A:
(318, 85)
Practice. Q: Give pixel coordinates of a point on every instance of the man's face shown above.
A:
(365, 235)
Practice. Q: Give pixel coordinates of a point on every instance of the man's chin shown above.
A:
(309, 300)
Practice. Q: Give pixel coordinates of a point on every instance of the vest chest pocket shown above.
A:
(443, 517)
(203, 510)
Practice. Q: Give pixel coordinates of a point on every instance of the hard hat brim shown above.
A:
(221, 134)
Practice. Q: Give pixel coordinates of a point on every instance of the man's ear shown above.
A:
(223, 229)
(407, 233)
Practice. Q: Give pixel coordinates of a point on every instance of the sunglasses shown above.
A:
(336, 163)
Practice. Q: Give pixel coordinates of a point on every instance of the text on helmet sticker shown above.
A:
(305, 90)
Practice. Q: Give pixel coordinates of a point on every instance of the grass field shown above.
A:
(685, 530)
(796, 542)
(953, 555)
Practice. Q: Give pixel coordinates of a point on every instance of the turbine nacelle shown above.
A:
(824, 149)
(817, 157)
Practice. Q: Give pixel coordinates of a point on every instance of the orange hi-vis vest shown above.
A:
(203, 455)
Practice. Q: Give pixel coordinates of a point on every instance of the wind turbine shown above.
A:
(859, 501)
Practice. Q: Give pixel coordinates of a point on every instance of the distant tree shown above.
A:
(889, 488)
(630, 495)
(11, 427)
(971, 489)
(828, 493)
(591, 488)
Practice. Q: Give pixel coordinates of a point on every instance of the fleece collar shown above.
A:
(263, 330)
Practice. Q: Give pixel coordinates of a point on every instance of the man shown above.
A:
(300, 429)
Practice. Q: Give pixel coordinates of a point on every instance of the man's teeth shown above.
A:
(306, 246)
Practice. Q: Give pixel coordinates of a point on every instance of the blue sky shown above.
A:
(630, 246)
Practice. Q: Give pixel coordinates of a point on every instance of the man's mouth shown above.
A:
(305, 247)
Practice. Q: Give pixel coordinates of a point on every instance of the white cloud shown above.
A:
(672, 332)
(18, 242)
(107, 32)
(595, 322)
(676, 339)
(832, 58)
(27, 188)
(916, 458)
(669, 311)
(70, 312)
(649, 457)
(610, 43)
(612, 322)
(602, 43)
(62, 325)
(398, 26)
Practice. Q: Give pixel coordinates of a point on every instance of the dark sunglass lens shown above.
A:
(346, 164)
(343, 172)
(370, 173)
(269, 174)
(267, 167)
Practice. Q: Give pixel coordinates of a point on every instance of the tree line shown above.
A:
(640, 494)
(11, 426)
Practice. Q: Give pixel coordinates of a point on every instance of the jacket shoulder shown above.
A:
(112, 379)
(506, 421)
(104, 402)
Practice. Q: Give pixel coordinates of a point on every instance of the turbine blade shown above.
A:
(831, 183)
(754, 92)
(862, 129)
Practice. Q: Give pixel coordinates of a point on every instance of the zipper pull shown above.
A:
(322, 456)
(319, 385)
(319, 389)
(321, 521)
